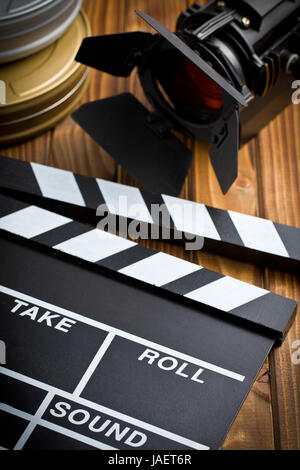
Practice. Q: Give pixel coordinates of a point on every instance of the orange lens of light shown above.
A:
(194, 87)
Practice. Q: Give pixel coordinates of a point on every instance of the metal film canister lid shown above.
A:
(27, 26)
(42, 89)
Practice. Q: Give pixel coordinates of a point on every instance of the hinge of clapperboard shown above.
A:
(256, 308)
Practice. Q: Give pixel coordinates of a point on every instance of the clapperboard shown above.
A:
(111, 345)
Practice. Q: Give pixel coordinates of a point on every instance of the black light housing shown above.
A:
(200, 81)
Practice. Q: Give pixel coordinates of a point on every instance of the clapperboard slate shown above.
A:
(110, 345)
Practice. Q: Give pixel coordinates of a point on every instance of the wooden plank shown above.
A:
(34, 150)
(279, 148)
(253, 427)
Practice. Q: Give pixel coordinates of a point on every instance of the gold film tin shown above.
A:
(44, 88)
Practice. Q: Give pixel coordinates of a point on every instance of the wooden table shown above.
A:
(268, 186)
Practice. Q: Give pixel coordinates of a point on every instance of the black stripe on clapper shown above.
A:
(290, 237)
(156, 199)
(61, 234)
(127, 257)
(225, 226)
(258, 311)
(193, 281)
(9, 206)
(18, 177)
(90, 191)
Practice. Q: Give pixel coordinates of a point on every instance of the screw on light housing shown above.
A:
(246, 22)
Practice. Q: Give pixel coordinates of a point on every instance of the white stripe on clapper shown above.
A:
(191, 217)
(58, 184)
(160, 269)
(227, 294)
(95, 245)
(258, 234)
(32, 221)
(124, 201)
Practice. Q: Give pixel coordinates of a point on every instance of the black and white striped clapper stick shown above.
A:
(192, 283)
(237, 235)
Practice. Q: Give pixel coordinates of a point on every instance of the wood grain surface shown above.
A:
(268, 185)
